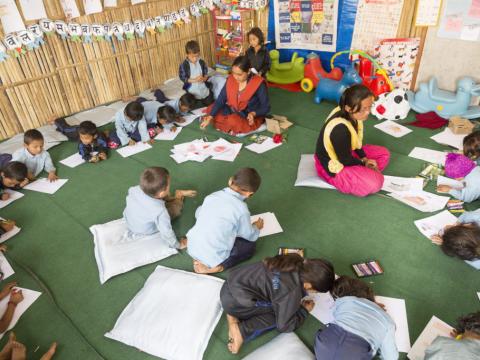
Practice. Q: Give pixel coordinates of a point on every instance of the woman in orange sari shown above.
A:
(241, 107)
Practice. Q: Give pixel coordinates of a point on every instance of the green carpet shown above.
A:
(54, 251)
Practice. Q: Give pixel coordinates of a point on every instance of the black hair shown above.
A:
(470, 322)
(134, 111)
(32, 135)
(87, 128)
(462, 241)
(192, 47)
(347, 286)
(318, 272)
(471, 145)
(187, 99)
(352, 97)
(154, 180)
(243, 63)
(15, 170)
(247, 179)
(167, 113)
(255, 31)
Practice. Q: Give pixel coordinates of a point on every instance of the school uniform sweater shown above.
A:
(443, 348)
(471, 190)
(98, 145)
(35, 163)
(125, 127)
(184, 72)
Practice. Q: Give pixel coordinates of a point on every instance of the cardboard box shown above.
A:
(277, 123)
(459, 125)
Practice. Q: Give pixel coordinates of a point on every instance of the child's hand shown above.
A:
(7, 289)
(251, 117)
(206, 120)
(436, 239)
(158, 130)
(102, 156)
(443, 188)
(3, 248)
(52, 176)
(308, 305)
(151, 141)
(7, 225)
(94, 159)
(16, 296)
(131, 142)
(24, 183)
(371, 164)
(180, 119)
(259, 224)
(381, 305)
(5, 196)
(173, 129)
(183, 243)
(30, 176)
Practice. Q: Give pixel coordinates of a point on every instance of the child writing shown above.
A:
(268, 295)
(150, 208)
(159, 117)
(182, 106)
(130, 126)
(361, 327)
(257, 53)
(193, 72)
(462, 240)
(223, 234)
(15, 298)
(34, 156)
(93, 146)
(471, 146)
(12, 176)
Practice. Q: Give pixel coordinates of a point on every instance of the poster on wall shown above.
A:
(33, 9)
(460, 20)
(375, 20)
(92, 6)
(306, 24)
(70, 9)
(427, 12)
(11, 18)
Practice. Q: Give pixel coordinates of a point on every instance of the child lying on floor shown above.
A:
(159, 117)
(130, 126)
(471, 146)
(150, 208)
(12, 176)
(223, 234)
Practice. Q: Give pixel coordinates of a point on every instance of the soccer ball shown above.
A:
(391, 106)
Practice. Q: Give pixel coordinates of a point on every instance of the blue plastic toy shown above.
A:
(329, 89)
(446, 103)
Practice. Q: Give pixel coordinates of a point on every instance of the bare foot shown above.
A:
(51, 351)
(6, 352)
(180, 194)
(200, 268)
(19, 351)
(51, 120)
(235, 339)
(183, 243)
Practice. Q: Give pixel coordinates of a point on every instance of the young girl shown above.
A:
(341, 159)
(462, 240)
(268, 295)
(361, 326)
(257, 53)
(471, 146)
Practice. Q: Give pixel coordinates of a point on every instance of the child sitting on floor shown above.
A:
(13, 176)
(462, 168)
(150, 208)
(471, 146)
(462, 239)
(130, 127)
(361, 326)
(34, 157)
(159, 117)
(93, 146)
(268, 295)
(464, 343)
(193, 73)
(223, 234)
(257, 53)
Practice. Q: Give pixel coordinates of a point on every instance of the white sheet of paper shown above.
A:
(110, 3)
(14, 195)
(433, 225)
(10, 17)
(478, 294)
(307, 174)
(200, 111)
(135, 2)
(70, 9)
(432, 156)
(229, 155)
(33, 9)
(128, 150)
(470, 32)
(224, 150)
(270, 224)
(73, 161)
(399, 184)
(168, 135)
(92, 6)
(44, 186)
(101, 115)
(10, 234)
(5, 266)
(392, 128)
(442, 180)
(195, 150)
(189, 119)
(263, 147)
(398, 312)
(434, 328)
(421, 200)
(323, 309)
(29, 297)
(447, 137)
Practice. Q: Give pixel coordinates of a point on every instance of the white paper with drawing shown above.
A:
(13, 195)
(5, 267)
(398, 312)
(130, 150)
(400, 184)
(432, 156)
(433, 225)
(434, 328)
(33, 9)
(392, 128)
(70, 9)
(270, 223)
(266, 145)
(454, 184)
(45, 186)
(421, 200)
(168, 135)
(10, 17)
(447, 137)
(224, 150)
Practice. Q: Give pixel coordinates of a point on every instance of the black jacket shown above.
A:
(260, 60)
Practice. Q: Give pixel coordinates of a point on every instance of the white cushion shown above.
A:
(173, 316)
(286, 346)
(117, 253)
(307, 174)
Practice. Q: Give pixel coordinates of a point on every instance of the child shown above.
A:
(182, 106)
(130, 126)
(14, 350)
(223, 234)
(471, 146)
(150, 208)
(268, 295)
(13, 176)
(257, 53)
(93, 146)
(460, 167)
(34, 157)
(462, 239)
(193, 72)
(16, 298)
(464, 343)
(159, 117)
(361, 326)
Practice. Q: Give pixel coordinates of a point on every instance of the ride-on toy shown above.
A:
(314, 71)
(332, 90)
(287, 72)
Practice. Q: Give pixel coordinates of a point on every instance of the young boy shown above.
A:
(223, 234)
(193, 72)
(159, 117)
(130, 126)
(182, 106)
(92, 146)
(34, 157)
(13, 176)
(150, 208)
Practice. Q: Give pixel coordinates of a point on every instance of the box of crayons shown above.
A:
(368, 268)
(455, 206)
(286, 251)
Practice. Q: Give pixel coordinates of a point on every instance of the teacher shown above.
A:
(340, 158)
(241, 107)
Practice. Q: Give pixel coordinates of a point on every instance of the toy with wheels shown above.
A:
(332, 90)
(314, 71)
(287, 72)
(446, 103)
